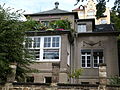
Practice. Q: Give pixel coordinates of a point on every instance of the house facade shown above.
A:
(89, 11)
(54, 51)
(95, 44)
(59, 52)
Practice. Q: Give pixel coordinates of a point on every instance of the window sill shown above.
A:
(46, 60)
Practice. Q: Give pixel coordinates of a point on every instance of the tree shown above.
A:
(115, 19)
(12, 50)
(117, 7)
(101, 8)
(76, 74)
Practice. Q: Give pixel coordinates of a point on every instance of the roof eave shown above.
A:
(112, 33)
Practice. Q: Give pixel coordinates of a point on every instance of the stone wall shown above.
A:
(43, 86)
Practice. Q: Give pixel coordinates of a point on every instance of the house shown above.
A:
(59, 52)
(89, 11)
(53, 54)
(95, 44)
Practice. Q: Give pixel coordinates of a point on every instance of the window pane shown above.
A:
(46, 23)
(55, 42)
(88, 61)
(86, 58)
(36, 42)
(97, 57)
(88, 65)
(83, 64)
(51, 54)
(81, 27)
(103, 21)
(35, 53)
(47, 42)
(95, 65)
(28, 43)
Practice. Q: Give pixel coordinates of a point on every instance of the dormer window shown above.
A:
(81, 28)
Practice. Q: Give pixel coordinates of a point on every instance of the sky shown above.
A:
(34, 6)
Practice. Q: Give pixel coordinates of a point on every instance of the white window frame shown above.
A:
(52, 48)
(42, 48)
(91, 58)
(82, 28)
(86, 55)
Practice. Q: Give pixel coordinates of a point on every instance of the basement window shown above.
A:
(84, 82)
(30, 79)
(48, 80)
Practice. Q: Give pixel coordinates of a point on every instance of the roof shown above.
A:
(43, 32)
(104, 28)
(79, 8)
(53, 11)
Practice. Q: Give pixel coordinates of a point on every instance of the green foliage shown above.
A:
(12, 50)
(34, 25)
(101, 8)
(117, 7)
(58, 24)
(75, 74)
(63, 24)
(115, 80)
(115, 19)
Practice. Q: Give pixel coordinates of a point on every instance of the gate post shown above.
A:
(102, 77)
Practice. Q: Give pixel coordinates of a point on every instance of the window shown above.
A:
(47, 41)
(51, 54)
(85, 83)
(103, 21)
(86, 58)
(81, 27)
(36, 42)
(33, 45)
(97, 57)
(30, 79)
(46, 23)
(89, 56)
(81, 13)
(48, 80)
(51, 48)
(28, 43)
(90, 13)
(45, 48)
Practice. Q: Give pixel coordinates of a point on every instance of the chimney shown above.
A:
(56, 5)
